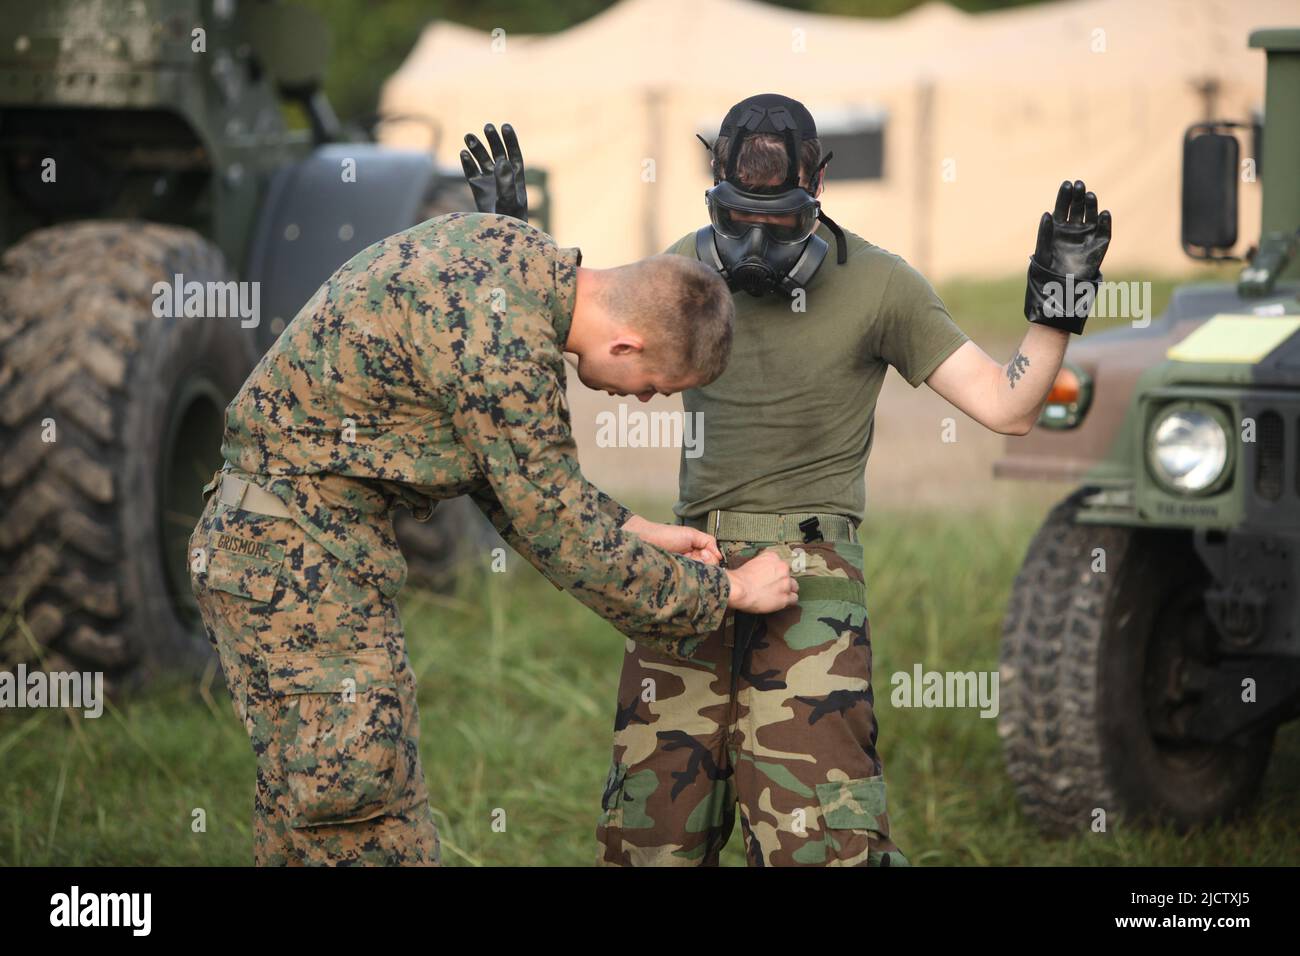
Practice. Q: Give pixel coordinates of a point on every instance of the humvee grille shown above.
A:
(1268, 460)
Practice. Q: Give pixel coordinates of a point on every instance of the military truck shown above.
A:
(1151, 646)
(175, 186)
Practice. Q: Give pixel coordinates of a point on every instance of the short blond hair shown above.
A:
(684, 309)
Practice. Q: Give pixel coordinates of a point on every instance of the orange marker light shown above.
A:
(1068, 400)
(1066, 388)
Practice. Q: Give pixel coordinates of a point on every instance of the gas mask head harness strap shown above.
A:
(762, 239)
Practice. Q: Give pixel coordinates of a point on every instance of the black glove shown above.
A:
(1072, 241)
(497, 180)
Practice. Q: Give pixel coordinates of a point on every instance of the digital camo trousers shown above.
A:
(774, 717)
(318, 673)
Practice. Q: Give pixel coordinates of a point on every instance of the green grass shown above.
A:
(516, 694)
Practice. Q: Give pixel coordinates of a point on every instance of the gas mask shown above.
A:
(761, 239)
(761, 257)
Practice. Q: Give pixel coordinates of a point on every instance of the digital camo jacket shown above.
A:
(431, 365)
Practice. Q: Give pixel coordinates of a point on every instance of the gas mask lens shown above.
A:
(786, 218)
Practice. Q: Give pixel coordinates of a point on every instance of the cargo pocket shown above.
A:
(832, 572)
(851, 815)
(341, 734)
(243, 566)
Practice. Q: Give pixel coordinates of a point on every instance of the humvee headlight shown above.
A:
(1188, 449)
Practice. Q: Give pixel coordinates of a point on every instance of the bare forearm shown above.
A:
(1008, 398)
(1005, 398)
(1021, 386)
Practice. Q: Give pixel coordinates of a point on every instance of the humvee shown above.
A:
(153, 149)
(1151, 646)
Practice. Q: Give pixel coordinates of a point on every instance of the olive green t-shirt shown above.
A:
(787, 427)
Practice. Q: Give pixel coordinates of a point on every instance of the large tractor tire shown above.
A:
(1087, 659)
(110, 424)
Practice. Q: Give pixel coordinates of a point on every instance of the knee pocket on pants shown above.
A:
(856, 806)
(341, 734)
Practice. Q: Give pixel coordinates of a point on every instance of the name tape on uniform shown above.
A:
(246, 547)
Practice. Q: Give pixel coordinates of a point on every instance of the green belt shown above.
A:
(772, 528)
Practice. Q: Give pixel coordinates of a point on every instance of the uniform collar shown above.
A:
(566, 265)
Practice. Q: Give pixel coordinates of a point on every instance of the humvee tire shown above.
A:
(1085, 656)
(94, 525)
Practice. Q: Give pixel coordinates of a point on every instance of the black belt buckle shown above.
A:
(811, 528)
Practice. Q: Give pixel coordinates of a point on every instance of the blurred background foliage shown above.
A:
(372, 37)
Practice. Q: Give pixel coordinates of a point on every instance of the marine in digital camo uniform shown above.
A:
(428, 366)
(773, 717)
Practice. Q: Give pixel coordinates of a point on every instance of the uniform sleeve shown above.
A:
(510, 417)
(617, 513)
(492, 509)
(914, 331)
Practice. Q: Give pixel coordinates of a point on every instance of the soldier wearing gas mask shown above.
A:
(762, 235)
(774, 720)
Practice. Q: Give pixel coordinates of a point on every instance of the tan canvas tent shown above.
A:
(977, 117)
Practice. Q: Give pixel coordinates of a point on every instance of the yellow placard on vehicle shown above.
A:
(1235, 338)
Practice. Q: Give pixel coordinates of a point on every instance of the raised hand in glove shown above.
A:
(497, 180)
(1065, 269)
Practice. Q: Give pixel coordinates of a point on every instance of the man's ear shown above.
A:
(821, 180)
(627, 343)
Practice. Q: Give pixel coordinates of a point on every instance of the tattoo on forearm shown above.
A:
(1016, 367)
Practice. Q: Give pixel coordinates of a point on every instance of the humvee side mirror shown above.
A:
(1210, 162)
(293, 45)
